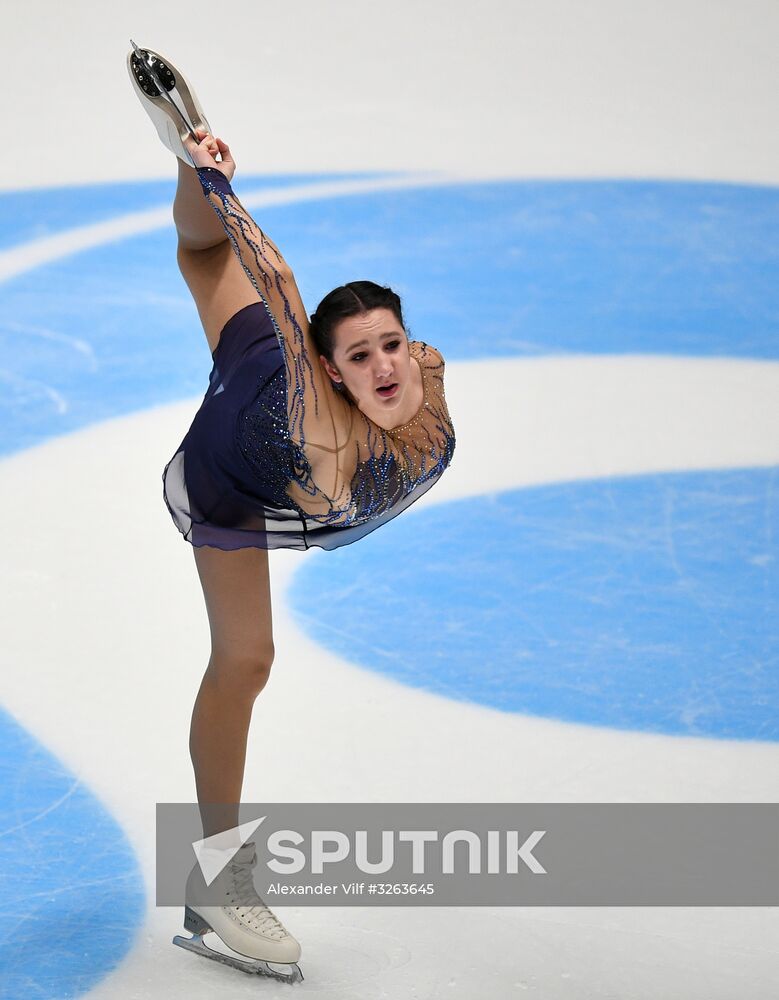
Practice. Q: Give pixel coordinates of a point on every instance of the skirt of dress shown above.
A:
(225, 485)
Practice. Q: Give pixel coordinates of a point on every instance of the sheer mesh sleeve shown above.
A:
(344, 469)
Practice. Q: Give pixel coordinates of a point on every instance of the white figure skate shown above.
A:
(167, 98)
(243, 922)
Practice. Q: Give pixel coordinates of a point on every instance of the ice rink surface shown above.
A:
(578, 204)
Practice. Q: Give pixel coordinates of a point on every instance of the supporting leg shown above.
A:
(236, 587)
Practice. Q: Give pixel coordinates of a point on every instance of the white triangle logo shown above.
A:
(213, 853)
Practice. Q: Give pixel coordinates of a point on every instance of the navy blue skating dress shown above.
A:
(275, 457)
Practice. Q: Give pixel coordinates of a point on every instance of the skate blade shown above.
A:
(162, 95)
(252, 966)
(189, 112)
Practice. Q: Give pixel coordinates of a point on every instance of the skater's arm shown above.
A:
(260, 257)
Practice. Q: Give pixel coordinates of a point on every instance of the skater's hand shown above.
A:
(205, 151)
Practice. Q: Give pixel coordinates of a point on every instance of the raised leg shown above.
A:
(197, 224)
(208, 264)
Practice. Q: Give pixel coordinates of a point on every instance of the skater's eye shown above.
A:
(392, 347)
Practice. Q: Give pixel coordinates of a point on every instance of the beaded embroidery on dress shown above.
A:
(313, 469)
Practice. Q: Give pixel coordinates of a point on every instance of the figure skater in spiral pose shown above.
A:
(312, 432)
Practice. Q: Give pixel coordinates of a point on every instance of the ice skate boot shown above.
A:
(241, 920)
(167, 98)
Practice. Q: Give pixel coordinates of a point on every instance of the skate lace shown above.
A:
(267, 921)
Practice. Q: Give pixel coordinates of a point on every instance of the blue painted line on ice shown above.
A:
(498, 269)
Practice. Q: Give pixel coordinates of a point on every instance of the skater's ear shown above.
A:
(332, 372)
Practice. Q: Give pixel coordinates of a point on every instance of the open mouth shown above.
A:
(388, 390)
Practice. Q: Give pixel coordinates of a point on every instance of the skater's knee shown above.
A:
(247, 671)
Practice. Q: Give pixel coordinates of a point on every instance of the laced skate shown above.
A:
(242, 921)
(167, 98)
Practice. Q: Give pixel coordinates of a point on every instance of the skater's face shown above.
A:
(370, 351)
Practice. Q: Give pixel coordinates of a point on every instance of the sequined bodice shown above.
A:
(324, 456)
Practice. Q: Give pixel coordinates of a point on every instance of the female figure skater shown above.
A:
(311, 432)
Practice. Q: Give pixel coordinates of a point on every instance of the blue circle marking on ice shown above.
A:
(73, 895)
(640, 602)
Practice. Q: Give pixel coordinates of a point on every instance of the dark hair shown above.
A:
(352, 299)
